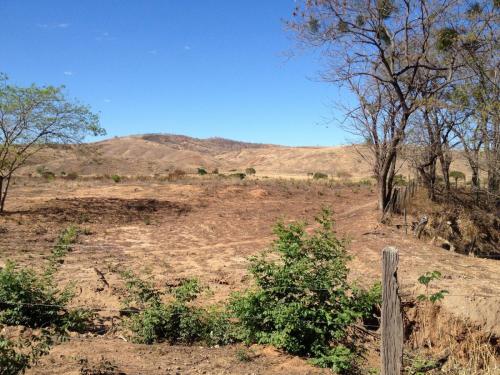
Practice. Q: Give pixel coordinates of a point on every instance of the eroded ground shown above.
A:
(206, 229)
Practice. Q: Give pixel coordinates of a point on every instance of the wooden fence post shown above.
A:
(392, 317)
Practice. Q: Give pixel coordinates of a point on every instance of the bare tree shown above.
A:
(32, 118)
(388, 42)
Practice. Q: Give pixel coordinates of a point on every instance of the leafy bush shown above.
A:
(425, 280)
(17, 357)
(250, 171)
(202, 171)
(319, 176)
(303, 302)
(175, 321)
(45, 173)
(34, 301)
(116, 178)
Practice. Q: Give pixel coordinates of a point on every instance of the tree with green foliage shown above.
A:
(34, 117)
(457, 175)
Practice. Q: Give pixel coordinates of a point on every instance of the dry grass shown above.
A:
(464, 347)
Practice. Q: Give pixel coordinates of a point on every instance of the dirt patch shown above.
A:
(105, 210)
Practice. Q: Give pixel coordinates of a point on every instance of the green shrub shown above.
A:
(116, 178)
(175, 321)
(202, 171)
(303, 302)
(319, 176)
(17, 357)
(32, 300)
(250, 171)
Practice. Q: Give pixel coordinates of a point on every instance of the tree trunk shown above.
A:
(1, 194)
(4, 187)
(445, 170)
(385, 181)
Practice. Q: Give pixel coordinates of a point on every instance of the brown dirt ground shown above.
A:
(207, 228)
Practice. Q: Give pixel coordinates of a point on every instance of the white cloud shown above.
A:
(68, 73)
(107, 100)
(104, 36)
(187, 48)
(62, 25)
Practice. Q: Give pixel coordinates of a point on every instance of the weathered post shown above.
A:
(392, 317)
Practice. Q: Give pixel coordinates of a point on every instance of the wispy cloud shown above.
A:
(68, 73)
(153, 52)
(62, 25)
(187, 47)
(107, 100)
(104, 37)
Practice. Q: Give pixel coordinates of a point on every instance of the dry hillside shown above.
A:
(158, 154)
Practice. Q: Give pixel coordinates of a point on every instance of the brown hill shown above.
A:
(157, 154)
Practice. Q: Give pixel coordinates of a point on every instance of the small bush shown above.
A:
(303, 302)
(320, 176)
(215, 171)
(45, 173)
(34, 301)
(202, 171)
(17, 357)
(175, 321)
(116, 178)
(250, 171)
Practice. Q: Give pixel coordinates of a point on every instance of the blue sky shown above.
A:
(200, 68)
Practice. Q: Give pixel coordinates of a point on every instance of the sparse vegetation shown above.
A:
(320, 176)
(202, 171)
(116, 178)
(175, 321)
(250, 171)
(177, 174)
